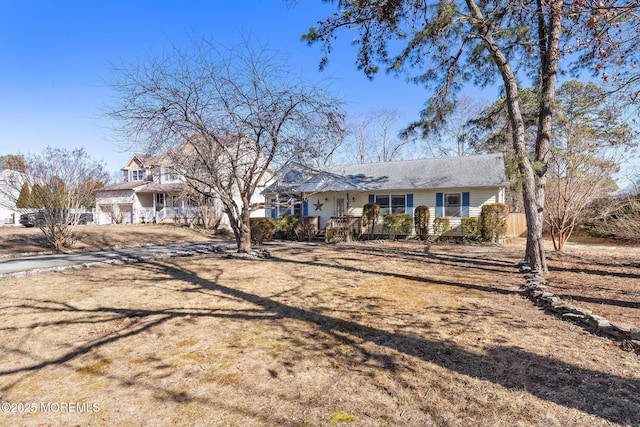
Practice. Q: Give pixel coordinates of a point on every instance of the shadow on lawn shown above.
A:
(484, 263)
(609, 396)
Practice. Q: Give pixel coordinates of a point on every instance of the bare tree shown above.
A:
(63, 184)
(236, 113)
(372, 137)
(616, 216)
(590, 141)
(455, 137)
(15, 162)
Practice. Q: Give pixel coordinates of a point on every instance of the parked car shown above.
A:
(37, 219)
(85, 218)
(32, 219)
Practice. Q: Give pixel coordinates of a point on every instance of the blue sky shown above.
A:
(55, 55)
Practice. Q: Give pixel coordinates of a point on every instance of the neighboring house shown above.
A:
(10, 183)
(452, 187)
(151, 192)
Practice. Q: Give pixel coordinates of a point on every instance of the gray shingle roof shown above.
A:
(126, 185)
(448, 172)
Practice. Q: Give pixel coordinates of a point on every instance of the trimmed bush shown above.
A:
(370, 214)
(262, 229)
(395, 224)
(441, 225)
(493, 222)
(287, 226)
(470, 227)
(421, 218)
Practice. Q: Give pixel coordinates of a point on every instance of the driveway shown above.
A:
(19, 266)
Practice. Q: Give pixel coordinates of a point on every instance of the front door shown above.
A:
(340, 207)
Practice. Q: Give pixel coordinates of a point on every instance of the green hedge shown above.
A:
(470, 227)
(441, 225)
(262, 229)
(394, 224)
(287, 226)
(493, 221)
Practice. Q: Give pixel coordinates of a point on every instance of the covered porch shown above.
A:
(333, 204)
(162, 202)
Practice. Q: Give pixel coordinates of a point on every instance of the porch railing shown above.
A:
(148, 215)
(343, 228)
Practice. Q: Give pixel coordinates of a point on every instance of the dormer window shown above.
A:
(293, 176)
(137, 175)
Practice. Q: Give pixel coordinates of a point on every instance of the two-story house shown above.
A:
(151, 192)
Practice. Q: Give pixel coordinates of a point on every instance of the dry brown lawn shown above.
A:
(351, 334)
(20, 240)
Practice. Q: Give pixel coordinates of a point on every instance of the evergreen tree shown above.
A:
(23, 201)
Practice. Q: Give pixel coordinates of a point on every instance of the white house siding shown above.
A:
(477, 198)
(122, 199)
(329, 205)
(10, 185)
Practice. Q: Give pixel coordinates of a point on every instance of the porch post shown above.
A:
(348, 218)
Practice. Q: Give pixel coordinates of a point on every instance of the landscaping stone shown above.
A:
(573, 316)
(627, 333)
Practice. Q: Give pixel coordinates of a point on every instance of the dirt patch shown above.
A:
(350, 334)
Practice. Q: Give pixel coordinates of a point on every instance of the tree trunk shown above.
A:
(244, 241)
(534, 254)
(549, 30)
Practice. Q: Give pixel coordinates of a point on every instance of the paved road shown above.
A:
(13, 266)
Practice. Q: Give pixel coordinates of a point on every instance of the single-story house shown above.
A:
(452, 187)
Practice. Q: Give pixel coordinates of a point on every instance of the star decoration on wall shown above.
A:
(318, 205)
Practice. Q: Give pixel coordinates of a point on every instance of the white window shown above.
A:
(170, 177)
(453, 204)
(137, 175)
(392, 203)
(160, 198)
(289, 205)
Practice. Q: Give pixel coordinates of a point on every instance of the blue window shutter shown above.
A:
(372, 198)
(465, 203)
(410, 204)
(305, 208)
(439, 205)
(274, 209)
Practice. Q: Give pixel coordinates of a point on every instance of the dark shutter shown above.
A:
(305, 208)
(465, 203)
(439, 205)
(274, 208)
(372, 198)
(410, 204)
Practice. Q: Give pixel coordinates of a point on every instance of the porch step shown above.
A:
(320, 235)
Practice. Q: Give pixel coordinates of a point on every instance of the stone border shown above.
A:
(535, 289)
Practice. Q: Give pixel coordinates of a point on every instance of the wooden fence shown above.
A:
(516, 225)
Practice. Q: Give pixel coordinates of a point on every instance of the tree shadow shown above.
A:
(431, 281)
(611, 397)
(596, 272)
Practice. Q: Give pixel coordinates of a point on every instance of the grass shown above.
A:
(21, 240)
(360, 334)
